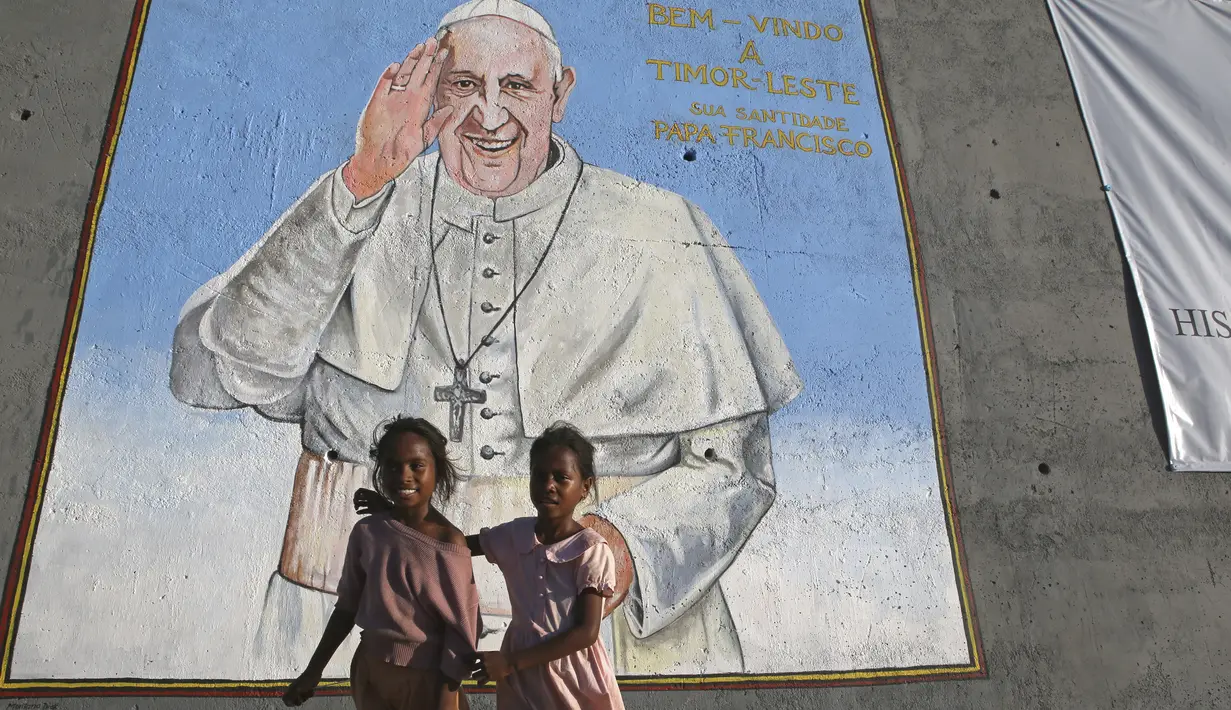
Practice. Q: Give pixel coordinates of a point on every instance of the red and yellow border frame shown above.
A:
(19, 567)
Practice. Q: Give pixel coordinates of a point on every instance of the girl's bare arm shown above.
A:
(497, 664)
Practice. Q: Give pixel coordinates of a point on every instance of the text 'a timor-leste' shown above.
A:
(770, 82)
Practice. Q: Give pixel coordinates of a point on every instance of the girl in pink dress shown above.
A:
(407, 581)
(559, 574)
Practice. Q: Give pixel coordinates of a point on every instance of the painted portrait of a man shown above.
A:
(496, 285)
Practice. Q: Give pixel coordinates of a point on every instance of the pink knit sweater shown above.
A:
(413, 595)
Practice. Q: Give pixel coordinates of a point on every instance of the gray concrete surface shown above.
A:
(1103, 584)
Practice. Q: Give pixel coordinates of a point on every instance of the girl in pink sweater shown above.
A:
(407, 581)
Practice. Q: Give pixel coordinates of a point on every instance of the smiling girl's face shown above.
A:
(408, 471)
(557, 484)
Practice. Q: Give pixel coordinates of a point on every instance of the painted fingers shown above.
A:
(421, 68)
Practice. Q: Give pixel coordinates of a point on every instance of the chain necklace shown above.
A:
(460, 394)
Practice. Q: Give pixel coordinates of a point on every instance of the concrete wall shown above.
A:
(1098, 584)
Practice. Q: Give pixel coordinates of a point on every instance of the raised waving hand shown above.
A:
(398, 123)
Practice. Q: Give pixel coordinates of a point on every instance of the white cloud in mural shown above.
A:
(863, 582)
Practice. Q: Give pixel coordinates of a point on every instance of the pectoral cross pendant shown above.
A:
(458, 395)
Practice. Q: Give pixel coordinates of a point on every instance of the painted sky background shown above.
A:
(157, 515)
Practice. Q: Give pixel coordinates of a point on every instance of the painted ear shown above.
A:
(562, 89)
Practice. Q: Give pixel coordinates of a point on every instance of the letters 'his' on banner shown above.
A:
(1151, 80)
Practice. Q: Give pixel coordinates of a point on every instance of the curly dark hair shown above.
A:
(566, 435)
(446, 471)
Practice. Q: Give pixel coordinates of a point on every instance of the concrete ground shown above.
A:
(1104, 583)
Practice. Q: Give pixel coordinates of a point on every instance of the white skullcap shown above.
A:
(509, 9)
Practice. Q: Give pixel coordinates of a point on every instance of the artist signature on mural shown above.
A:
(32, 706)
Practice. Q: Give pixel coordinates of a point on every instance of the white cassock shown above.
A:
(640, 327)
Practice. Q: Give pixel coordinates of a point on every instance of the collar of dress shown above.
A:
(566, 550)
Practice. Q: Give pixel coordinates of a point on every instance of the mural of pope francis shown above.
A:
(496, 286)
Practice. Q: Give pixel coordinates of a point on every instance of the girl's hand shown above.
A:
(369, 501)
(301, 689)
(495, 667)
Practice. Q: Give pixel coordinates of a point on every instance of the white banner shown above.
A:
(1153, 78)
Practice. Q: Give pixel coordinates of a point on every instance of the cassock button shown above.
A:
(488, 453)
(489, 238)
(487, 307)
(488, 413)
(487, 377)
(489, 272)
